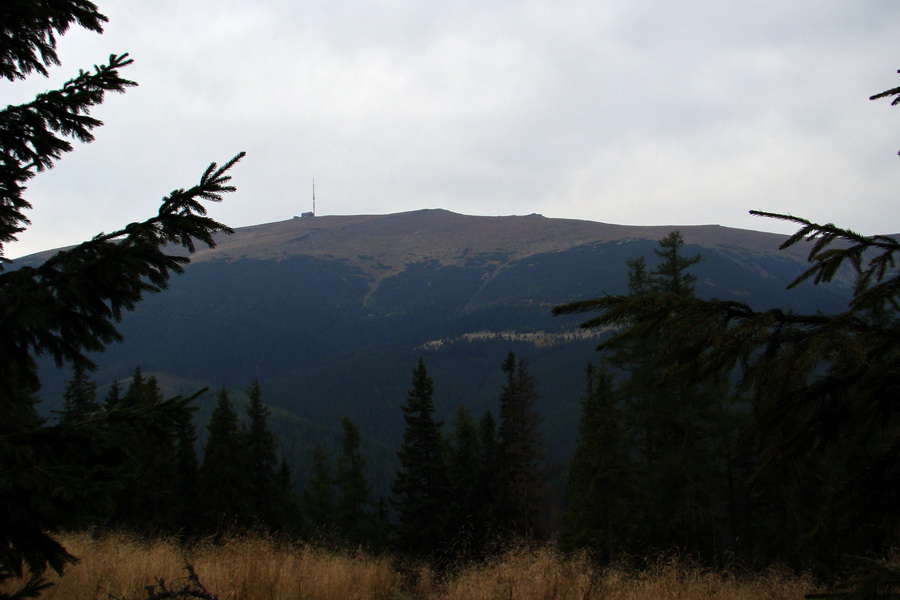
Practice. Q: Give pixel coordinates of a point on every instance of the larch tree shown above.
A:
(678, 423)
(70, 304)
(823, 387)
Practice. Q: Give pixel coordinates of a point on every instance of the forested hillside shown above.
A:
(330, 313)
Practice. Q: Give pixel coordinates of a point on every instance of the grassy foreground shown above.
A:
(254, 568)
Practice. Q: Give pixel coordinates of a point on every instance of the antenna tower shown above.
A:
(314, 197)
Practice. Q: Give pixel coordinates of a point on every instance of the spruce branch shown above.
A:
(872, 258)
(36, 134)
(888, 93)
(87, 288)
(28, 38)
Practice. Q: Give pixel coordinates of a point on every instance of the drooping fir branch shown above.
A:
(34, 135)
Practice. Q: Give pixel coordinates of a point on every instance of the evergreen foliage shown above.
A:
(468, 498)
(80, 396)
(490, 479)
(353, 518)
(270, 500)
(70, 305)
(599, 486)
(824, 422)
(187, 506)
(149, 495)
(317, 499)
(522, 495)
(421, 486)
(679, 429)
(224, 476)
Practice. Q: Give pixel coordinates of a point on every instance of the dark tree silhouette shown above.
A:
(421, 485)
(824, 387)
(522, 494)
(69, 305)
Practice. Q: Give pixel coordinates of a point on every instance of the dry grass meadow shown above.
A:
(255, 568)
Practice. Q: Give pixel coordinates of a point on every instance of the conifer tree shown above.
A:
(148, 501)
(822, 388)
(186, 511)
(270, 503)
(79, 396)
(672, 275)
(682, 427)
(421, 485)
(466, 503)
(224, 474)
(318, 502)
(70, 304)
(490, 492)
(522, 495)
(289, 517)
(113, 395)
(599, 487)
(352, 515)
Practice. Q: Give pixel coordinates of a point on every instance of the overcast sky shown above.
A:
(621, 111)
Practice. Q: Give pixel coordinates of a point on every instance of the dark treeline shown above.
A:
(665, 462)
(456, 496)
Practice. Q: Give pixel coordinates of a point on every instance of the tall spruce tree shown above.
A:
(149, 499)
(70, 304)
(270, 502)
(79, 396)
(672, 275)
(466, 502)
(317, 500)
(491, 483)
(421, 486)
(523, 496)
(599, 485)
(186, 510)
(224, 475)
(353, 517)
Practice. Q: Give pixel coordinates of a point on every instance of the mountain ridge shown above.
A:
(451, 234)
(331, 313)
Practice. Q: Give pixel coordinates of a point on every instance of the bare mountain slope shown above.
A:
(396, 240)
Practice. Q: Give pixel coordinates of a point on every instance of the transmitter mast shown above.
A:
(313, 213)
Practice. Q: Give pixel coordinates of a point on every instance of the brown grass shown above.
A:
(256, 568)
